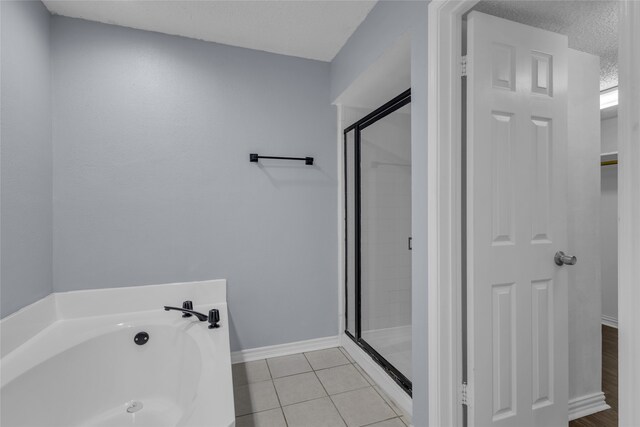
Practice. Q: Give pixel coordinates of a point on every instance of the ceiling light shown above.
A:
(609, 98)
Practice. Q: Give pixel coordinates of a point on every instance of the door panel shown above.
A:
(516, 221)
(378, 236)
(385, 177)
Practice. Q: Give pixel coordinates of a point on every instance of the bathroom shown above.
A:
(130, 183)
(126, 160)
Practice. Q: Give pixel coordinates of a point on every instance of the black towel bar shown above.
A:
(253, 157)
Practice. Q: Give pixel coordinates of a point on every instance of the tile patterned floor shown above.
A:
(323, 388)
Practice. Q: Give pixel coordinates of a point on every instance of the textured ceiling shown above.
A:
(309, 28)
(591, 25)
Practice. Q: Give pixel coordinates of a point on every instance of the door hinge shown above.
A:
(464, 394)
(463, 66)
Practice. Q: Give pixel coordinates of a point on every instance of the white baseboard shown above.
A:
(259, 353)
(586, 405)
(610, 321)
(379, 376)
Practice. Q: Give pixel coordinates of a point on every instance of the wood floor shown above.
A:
(608, 418)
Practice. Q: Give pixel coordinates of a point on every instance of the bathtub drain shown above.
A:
(134, 406)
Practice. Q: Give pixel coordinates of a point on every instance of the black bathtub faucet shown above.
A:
(187, 307)
(187, 310)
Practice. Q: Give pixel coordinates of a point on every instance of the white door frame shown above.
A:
(629, 213)
(444, 220)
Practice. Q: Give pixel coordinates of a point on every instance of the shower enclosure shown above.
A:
(377, 152)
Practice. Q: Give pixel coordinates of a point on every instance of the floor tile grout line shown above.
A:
(265, 410)
(356, 389)
(353, 389)
(284, 417)
(354, 367)
(290, 375)
(274, 389)
(254, 382)
(331, 367)
(281, 407)
(331, 399)
(338, 411)
(328, 395)
(308, 400)
(383, 399)
(268, 368)
(346, 391)
(277, 395)
(348, 356)
(316, 375)
(362, 372)
(305, 401)
(386, 400)
(313, 398)
(248, 386)
(381, 421)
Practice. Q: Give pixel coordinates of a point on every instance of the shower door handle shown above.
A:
(409, 244)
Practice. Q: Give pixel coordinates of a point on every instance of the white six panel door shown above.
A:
(516, 221)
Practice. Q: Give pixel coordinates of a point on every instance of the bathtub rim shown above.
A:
(65, 334)
(28, 322)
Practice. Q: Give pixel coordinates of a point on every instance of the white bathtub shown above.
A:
(87, 370)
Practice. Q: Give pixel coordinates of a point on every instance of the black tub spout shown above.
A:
(201, 317)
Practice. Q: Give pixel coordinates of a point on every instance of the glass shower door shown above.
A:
(378, 236)
(385, 195)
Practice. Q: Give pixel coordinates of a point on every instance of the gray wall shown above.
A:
(386, 22)
(153, 184)
(25, 151)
